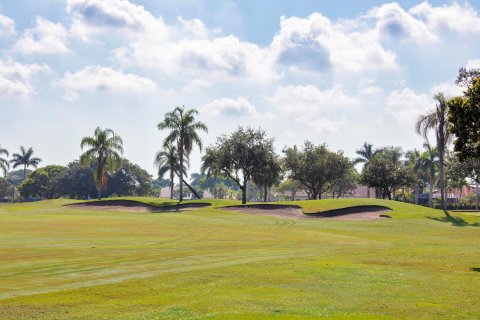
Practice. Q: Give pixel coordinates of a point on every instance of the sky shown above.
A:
(335, 72)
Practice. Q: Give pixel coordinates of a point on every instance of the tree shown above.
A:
(130, 180)
(315, 167)
(240, 156)
(6, 189)
(436, 120)
(387, 175)
(428, 164)
(269, 174)
(413, 158)
(365, 155)
(183, 133)
(77, 181)
(4, 165)
(40, 183)
(105, 147)
(167, 161)
(290, 186)
(25, 158)
(345, 183)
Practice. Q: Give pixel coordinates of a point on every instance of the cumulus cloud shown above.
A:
(318, 44)
(45, 38)
(15, 78)
(393, 22)
(230, 107)
(93, 17)
(310, 99)
(451, 17)
(406, 105)
(7, 26)
(93, 79)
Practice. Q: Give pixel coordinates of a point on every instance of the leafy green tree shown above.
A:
(6, 189)
(4, 165)
(345, 183)
(130, 180)
(413, 160)
(77, 181)
(106, 148)
(25, 158)
(269, 175)
(239, 156)
(183, 134)
(40, 183)
(289, 186)
(436, 121)
(315, 167)
(15, 177)
(387, 175)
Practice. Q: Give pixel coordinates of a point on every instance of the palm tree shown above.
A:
(183, 133)
(428, 163)
(25, 159)
(365, 155)
(167, 161)
(4, 165)
(413, 157)
(436, 120)
(106, 148)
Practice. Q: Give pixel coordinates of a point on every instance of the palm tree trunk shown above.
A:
(24, 171)
(244, 191)
(181, 172)
(215, 194)
(442, 181)
(171, 183)
(430, 193)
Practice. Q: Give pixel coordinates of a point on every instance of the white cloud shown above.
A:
(221, 57)
(406, 105)
(7, 26)
(93, 79)
(393, 22)
(317, 44)
(15, 78)
(450, 89)
(230, 107)
(309, 99)
(93, 17)
(473, 64)
(452, 17)
(322, 125)
(45, 38)
(197, 86)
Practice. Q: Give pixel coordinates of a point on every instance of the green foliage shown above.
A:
(16, 177)
(464, 118)
(288, 188)
(130, 180)
(41, 183)
(6, 189)
(4, 164)
(387, 173)
(24, 158)
(106, 148)
(183, 135)
(316, 168)
(241, 156)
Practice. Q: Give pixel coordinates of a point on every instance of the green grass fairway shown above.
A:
(64, 263)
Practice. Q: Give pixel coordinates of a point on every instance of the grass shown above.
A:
(64, 263)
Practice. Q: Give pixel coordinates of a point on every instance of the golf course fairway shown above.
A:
(61, 262)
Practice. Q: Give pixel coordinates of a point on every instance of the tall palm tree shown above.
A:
(4, 165)
(183, 133)
(366, 153)
(167, 161)
(413, 158)
(106, 148)
(436, 121)
(25, 158)
(428, 164)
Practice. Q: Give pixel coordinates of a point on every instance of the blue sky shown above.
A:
(334, 72)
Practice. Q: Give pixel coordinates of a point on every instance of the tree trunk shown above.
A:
(265, 193)
(181, 172)
(368, 192)
(172, 176)
(442, 182)
(476, 194)
(416, 194)
(215, 192)
(244, 191)
(430, 193)
(293, 195)
(24, 172)
(192, 190)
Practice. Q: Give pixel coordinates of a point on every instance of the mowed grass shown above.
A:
(63, 263)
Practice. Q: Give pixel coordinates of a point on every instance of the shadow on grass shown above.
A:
(475, 269)
(456, 221)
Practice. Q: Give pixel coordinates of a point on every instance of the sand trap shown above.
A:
(295, 212)
(134, 206)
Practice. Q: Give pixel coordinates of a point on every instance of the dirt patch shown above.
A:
(295, 212)
(134, 206)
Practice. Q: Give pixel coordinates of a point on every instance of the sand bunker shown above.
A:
(295, 212)
(135, 206)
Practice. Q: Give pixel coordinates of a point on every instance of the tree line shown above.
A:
(247, 156)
